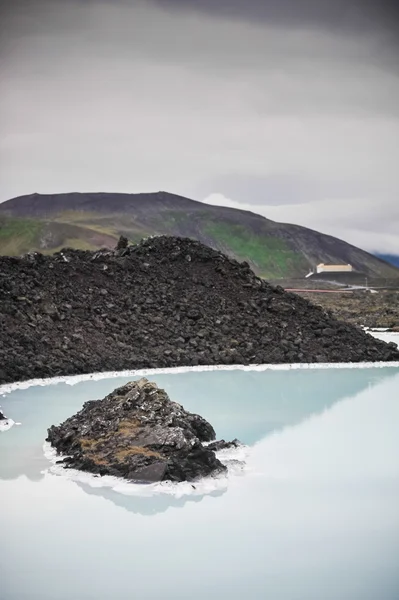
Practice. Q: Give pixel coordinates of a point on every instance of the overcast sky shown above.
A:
(287, 108)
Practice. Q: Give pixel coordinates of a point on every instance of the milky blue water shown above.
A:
(315, 515)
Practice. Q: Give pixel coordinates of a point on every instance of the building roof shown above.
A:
(343, 265)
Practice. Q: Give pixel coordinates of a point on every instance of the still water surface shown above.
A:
(314, 515)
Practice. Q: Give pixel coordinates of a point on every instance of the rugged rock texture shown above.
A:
(162, 303)
(137, 433)
(5, 422)
(223, 445)
(362, 307)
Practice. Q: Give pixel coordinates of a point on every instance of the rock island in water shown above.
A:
(138, 433)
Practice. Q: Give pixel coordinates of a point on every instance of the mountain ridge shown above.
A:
(392, 259)
(47, 222)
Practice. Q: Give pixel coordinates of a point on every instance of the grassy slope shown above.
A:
(271, 254)
(18, 236)
(268, 255)
(110, 225)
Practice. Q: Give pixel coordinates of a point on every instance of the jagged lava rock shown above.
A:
(165, 302)
(137, 433)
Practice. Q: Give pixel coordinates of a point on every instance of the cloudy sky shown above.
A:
(286, 108)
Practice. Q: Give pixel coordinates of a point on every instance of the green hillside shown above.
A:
(18, 235)
(271, 256)
(47, 223)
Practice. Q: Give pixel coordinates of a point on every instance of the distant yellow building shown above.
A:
(322, 268)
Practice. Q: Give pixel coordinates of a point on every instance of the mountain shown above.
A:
(389, 258)
(47, 223)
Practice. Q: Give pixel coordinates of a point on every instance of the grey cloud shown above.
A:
(118, 96)
(283, 188)
(350, 15)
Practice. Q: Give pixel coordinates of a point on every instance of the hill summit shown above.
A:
(46, 223)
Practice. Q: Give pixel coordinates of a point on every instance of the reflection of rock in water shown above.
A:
(146, 505)
(27, 461)
(299, 394)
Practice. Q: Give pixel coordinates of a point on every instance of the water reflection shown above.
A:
(243, 404)
(146, 506)
(315, 516)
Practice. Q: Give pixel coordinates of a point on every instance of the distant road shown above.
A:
(309, 291)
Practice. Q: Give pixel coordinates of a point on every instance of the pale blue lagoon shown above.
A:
(314, 515)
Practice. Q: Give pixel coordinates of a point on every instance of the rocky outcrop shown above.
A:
(5, 422)
(164, 302)
(123, 243)
(223, 445)
(137, 433)
(362, 307)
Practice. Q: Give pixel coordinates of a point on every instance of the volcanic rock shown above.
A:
(5, 422)
(137, 433)
(223, 445)
(147, 305)
(123, 242)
